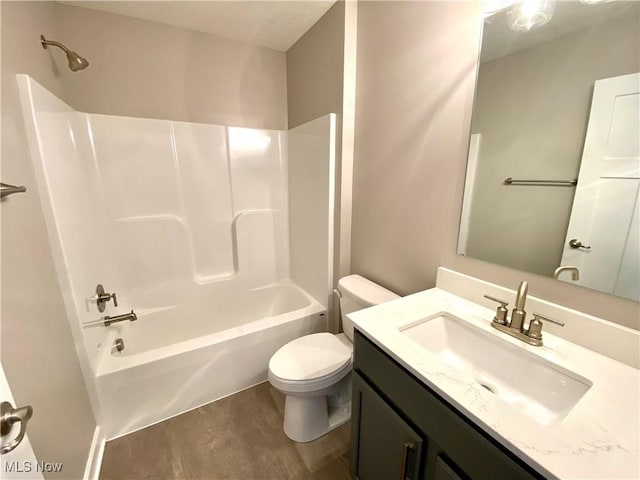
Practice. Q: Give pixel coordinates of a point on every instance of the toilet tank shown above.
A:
(356, 293)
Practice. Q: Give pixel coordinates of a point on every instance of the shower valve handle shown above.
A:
(102, 298)
(113, 297)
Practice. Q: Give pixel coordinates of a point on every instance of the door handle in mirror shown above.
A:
(575, 243)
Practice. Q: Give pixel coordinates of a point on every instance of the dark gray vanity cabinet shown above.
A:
(403, 430)
(393, 449)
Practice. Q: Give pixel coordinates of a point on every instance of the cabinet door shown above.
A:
(444, 471)
(385, 446)
(448, 435)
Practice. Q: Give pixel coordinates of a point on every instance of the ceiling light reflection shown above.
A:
(529, 14)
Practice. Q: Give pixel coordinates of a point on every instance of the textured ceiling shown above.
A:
(272, 24)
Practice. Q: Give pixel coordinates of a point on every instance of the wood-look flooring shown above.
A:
(238, 438)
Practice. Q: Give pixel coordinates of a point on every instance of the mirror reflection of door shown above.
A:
(604, 217)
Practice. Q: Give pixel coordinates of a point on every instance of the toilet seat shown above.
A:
(310, 363)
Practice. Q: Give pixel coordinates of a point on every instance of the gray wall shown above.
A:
(532, 109)
(416, 75)
(147, 69)
(315, 69)
(38, 352)
(315, 72)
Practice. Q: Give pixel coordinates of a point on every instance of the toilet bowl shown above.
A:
(314, 371)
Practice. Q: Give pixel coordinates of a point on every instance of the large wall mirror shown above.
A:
(553, 179)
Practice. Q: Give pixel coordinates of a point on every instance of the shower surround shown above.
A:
(189, 225)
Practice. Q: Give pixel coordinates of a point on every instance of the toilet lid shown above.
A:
(310, 357)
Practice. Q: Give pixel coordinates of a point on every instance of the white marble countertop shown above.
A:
(599, 438)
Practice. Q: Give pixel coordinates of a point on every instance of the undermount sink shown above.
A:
(539, 389)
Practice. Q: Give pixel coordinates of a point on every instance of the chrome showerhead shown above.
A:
(76, 62)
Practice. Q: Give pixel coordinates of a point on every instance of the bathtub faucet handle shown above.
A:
(102, 298)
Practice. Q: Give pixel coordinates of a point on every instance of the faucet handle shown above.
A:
(102, 298)
(501, 311)
(497, 300)
(539, 316)
(535, 326)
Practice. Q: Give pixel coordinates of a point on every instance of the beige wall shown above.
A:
(315, 69)
(532, 109)
(147, 69)
(416, 75)
(38, 352)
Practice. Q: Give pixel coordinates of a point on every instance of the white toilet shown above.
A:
(314, 371)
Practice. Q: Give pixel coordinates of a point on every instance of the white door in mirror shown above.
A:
(606, 206)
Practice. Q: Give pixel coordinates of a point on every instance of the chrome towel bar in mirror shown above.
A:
(550, 183)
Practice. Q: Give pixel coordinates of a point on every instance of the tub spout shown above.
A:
(120, 318)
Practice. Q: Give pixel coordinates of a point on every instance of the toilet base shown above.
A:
(306, 419)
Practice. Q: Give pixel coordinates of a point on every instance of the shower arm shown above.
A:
(46, 42)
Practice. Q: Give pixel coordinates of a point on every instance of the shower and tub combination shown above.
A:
(215, 240)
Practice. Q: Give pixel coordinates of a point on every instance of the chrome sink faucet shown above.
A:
(515, 325)
(518, 315)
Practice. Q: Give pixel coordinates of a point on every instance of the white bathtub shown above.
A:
(177, 358)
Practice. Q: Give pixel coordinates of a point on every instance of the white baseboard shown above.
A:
(94, 461)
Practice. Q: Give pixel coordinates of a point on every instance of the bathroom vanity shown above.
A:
(403, 429)
(440, 394)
